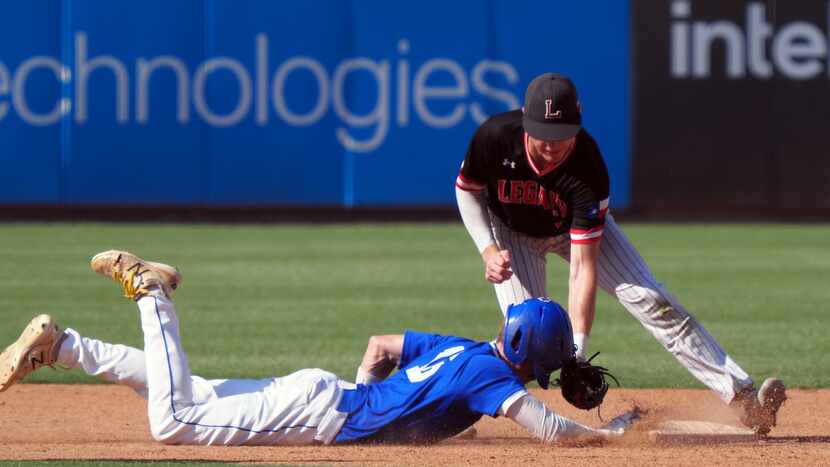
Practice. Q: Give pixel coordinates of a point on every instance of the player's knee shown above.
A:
(164, 430)
(655, 302)
(642, 297)
(161, 434)
(374, 343)
(656, 309)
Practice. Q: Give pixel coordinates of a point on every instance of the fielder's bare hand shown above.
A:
(496, 264)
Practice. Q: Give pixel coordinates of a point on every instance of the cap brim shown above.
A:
(549, 131)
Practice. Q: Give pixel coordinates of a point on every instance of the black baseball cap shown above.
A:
(551, 110)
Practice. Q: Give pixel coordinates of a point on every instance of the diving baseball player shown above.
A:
(444, 383)
(533, 182)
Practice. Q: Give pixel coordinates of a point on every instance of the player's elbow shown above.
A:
(385, 348)
(376, 348)
(373, 345)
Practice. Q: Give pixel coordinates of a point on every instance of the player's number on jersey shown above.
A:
(416, 374)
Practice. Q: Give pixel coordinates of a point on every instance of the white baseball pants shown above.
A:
(183, 409)
(623, 273)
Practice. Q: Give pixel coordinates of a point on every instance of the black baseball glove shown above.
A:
(583, 384)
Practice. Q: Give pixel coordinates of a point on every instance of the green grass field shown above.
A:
(260, 301)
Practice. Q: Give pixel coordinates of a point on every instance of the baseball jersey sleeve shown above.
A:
(589, 219)
(590, 201)
(472, 176)
(488, 384)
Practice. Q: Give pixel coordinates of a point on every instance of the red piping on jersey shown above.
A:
(469, 180)
(473, 190)
(473, 186)
(583, 231)
(545, 170)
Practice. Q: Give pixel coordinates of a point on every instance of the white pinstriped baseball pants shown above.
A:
(623, 273)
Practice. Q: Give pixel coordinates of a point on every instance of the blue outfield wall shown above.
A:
(318, 102)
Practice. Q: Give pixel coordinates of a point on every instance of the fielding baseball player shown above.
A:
(533, 182)
(444, 383)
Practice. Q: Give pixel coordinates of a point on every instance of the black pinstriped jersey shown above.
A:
(572, 197)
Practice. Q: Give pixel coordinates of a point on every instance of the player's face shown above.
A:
(525, 371)
(550, 151)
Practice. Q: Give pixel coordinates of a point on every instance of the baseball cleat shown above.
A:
(758, 409)
(36, 347)
(136, 276)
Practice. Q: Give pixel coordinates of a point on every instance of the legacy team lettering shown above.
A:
(530, 192)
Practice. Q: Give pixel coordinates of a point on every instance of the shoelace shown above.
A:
(36, 364)
(128, 283)
(53, 355)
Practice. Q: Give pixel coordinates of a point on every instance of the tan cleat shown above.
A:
(136, 276)
(36, 347)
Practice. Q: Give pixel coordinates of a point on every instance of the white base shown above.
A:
(698, 432)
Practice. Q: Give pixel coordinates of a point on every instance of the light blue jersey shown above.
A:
(444, 385)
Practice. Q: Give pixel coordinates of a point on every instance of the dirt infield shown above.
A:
(47, 422)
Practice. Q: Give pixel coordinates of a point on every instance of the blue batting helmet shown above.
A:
(538, 332)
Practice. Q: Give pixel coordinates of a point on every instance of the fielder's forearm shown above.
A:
(472, 205)
(582, 292)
